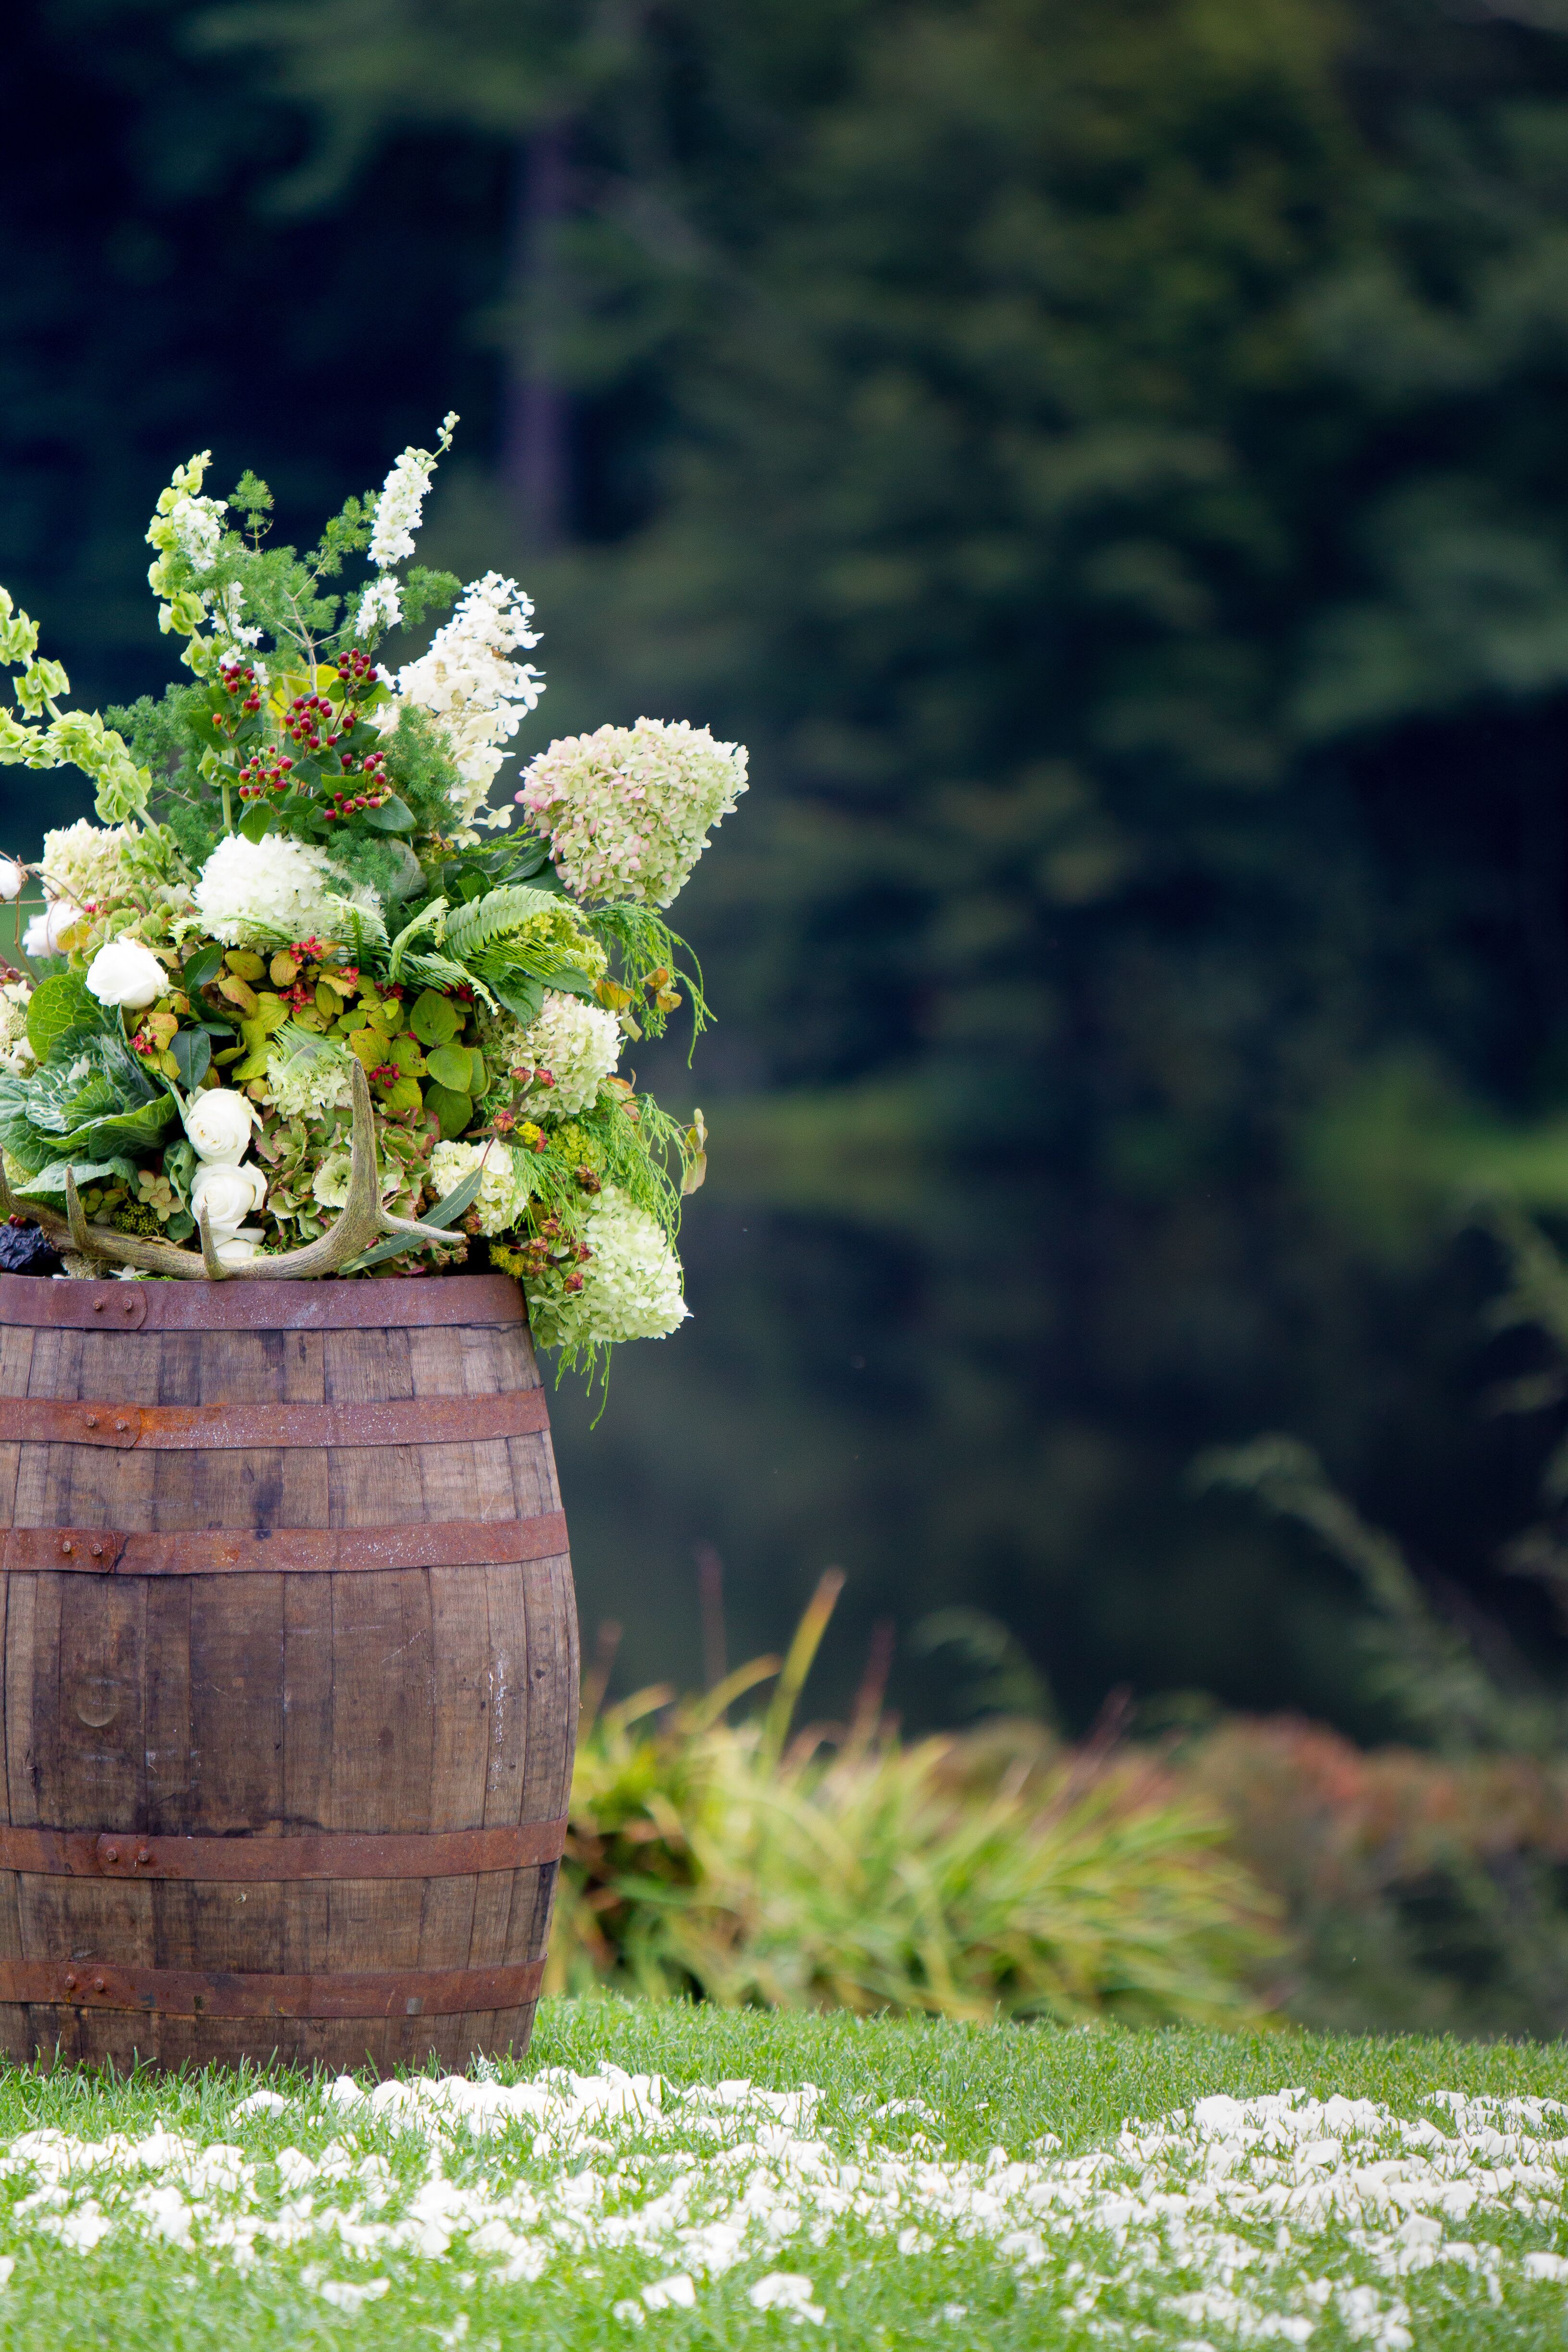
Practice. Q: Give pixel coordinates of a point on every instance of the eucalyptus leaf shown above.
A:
(451, 1067)
(523, 996)
(434, 1021)
(446, 1210)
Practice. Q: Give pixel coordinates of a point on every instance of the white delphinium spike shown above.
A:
(400, 503)
(474, 690)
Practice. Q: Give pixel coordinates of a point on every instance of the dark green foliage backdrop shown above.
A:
(1109, 463)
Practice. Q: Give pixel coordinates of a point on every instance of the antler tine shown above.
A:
(76, 1215)
(212, 1265)
(102, 1241)
(361, 1217)
(359, 1222)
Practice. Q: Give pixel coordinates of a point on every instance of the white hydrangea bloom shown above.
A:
(81, 862)
(578, 1044)
(249, 891)
(502, 1193)
(401, 504)
(381, 607)
(15, 1054)
(631, 1282)
(628, 809)
(303, 1085)
(473, 689)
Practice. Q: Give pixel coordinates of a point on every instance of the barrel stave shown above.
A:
(408, 1699)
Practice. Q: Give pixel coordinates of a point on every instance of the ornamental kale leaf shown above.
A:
(90, 1101)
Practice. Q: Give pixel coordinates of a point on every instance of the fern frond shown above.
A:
(430, 920)
(307, 1045)
(363, 924)
(440, 972)
(494, 915)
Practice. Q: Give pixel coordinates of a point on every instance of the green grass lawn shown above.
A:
(960, 2186)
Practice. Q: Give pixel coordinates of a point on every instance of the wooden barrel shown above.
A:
(290, 1671)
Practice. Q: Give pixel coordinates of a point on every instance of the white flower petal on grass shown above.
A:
(788, 2291)
(678, 2293)
(1250, 2220)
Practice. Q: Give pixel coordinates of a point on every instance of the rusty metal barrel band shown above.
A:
(336, 1854)
(200, 1992)
(203, 1428)
(287, 1551)
(240, 1306)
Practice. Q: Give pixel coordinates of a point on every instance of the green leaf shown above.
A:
(452, 1066)
(523, 996)
(570, 979)
(392, 816)
(434, 1021)
(454, 1111)
(193, 1050)
(446, 1210)
(49, 1183)
(64, 1007)
(202, 967)
(258, 821)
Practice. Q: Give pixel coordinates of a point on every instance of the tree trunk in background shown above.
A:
(536, 453)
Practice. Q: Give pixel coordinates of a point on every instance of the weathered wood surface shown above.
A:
(405, 1700)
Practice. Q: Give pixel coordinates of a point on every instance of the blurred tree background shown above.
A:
(1109, 463)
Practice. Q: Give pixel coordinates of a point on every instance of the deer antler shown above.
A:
(359, 1222)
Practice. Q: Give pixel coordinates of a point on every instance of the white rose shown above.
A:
(219, 1124)
(236, 1249)
(227, 1195)
(11, 879)
(125, 972)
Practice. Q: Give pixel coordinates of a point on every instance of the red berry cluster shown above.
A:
(265, 771)
(376, 790)
(240, 682)
(546, 1251)
(305, 718)
(357, 671)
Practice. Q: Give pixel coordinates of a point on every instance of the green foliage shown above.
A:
(91, 1099)
(420, 767)
(961, 1878)
(62, 1010)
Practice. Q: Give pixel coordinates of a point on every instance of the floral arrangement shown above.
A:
(310, 1000)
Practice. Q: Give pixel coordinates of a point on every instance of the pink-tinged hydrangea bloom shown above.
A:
(628, 809)
(578, 1044)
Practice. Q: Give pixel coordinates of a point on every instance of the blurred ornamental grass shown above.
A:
(989, 1874)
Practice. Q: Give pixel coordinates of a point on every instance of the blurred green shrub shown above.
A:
(991, 1872)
